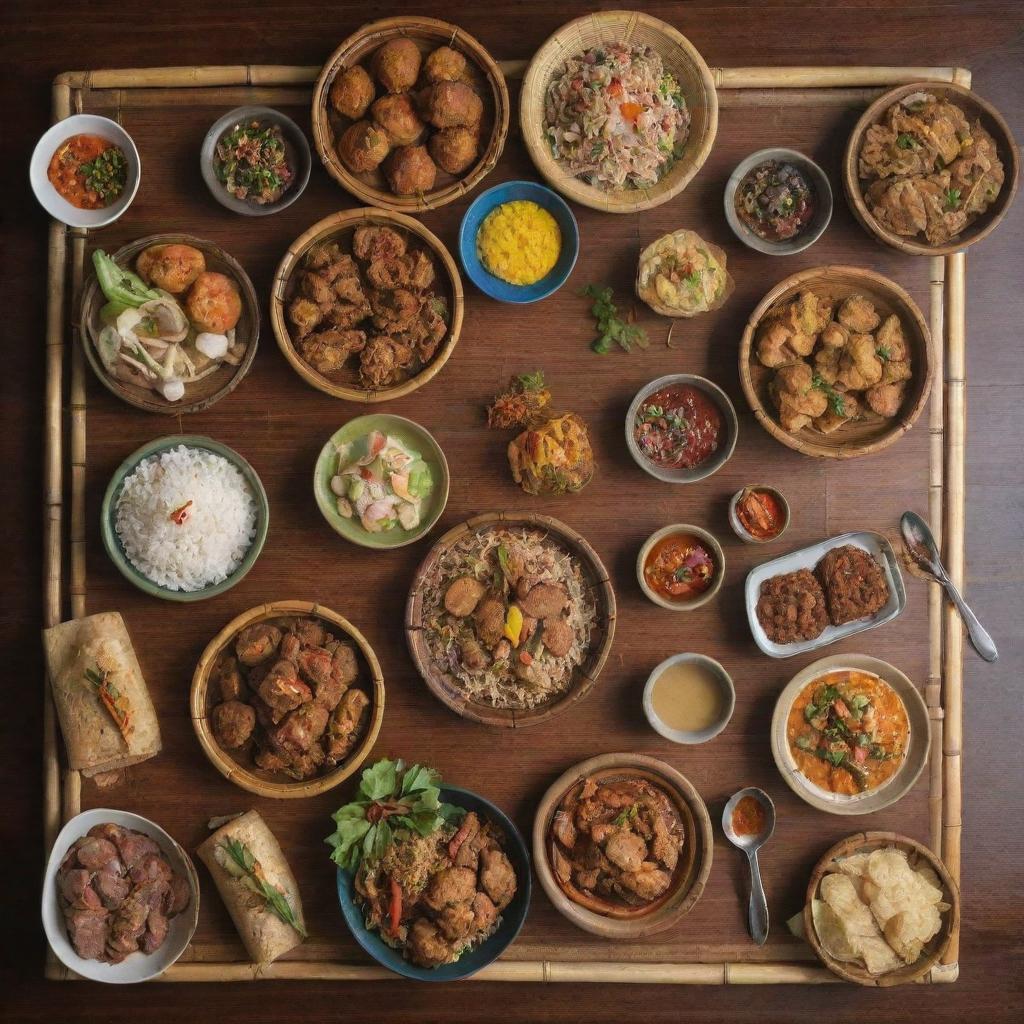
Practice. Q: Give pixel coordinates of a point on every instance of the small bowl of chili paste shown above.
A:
(778, 201)
(680, 567)
(758, 514)
(681, 428)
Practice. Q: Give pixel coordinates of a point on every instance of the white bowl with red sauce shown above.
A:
(681, 428)
(50, 198)
(687, 567)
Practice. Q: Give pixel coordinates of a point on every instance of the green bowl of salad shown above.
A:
(381, 481)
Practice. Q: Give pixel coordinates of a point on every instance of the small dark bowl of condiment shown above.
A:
(681, 428)
(758, 514)
(680, 567)
(255, 161)
(778, 201)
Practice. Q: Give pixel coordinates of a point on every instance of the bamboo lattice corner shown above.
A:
(64, 581)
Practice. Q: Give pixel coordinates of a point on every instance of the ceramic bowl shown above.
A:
(741, 531)
(894, 788)
(716, 460)
(512, 917)
(138, 966)
(701, 599)
(115, 549)
(55, 204)
(296, 148)
(816, 178)
(414, 437)
(507, 192)
(725, 685)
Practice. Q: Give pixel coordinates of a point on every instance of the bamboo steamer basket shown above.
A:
(428, 34)
(340, 227)
(254, 779)
(680, 58)
(584, 676)
(976, 109)
(210, 389)
(860, 437)
(918, 853)
(689, 878)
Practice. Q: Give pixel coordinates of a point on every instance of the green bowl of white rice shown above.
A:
(184, 518)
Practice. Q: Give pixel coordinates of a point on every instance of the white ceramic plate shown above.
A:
(138, 966)
(807, 558)
(918, 739)
(55, 204)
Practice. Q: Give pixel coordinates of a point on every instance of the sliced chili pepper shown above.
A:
(395, 907)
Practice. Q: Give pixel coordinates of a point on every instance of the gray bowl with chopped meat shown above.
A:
(255, 161)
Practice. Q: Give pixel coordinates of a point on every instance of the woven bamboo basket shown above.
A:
(691, 873)
(428, 34)
(856, 437)
(246, 775)
(339, 227)
(679, 57)
(601, 636)
(202, 393)
(976, 109)
(918, 853)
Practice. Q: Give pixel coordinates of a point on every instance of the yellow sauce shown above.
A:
(519, 242)
(688, 697)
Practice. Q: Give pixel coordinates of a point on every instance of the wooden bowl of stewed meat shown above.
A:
(287, 699)
(655, 837)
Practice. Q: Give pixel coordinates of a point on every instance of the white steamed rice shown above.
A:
(214, 538)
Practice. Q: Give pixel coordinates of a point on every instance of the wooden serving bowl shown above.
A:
(691, 874)
(428, 34)
(247, 775)
(340, 227)
(680, 58)
(212, 388)
(859, 437)
(865, 842)
(600, 640)
(976, 109)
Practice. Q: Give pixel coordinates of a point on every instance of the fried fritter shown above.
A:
(363, 147)
(792, 607)
(328, 351)
(352, 92)
(854, 584)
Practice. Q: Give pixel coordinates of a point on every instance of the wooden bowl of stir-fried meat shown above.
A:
(930, 168)
(510, 618)
(836, 362)
(623, 845)
(287, 699)
(367, 305)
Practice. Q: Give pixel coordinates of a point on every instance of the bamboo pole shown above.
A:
(147, 99)
(773, 97)
(830, 77)
(953, 556)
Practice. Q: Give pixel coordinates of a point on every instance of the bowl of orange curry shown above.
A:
(85, 171)
(850, 734)
(680, 567)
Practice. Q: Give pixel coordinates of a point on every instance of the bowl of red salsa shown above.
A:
(758, 514)
(680, 567)
(681, 428)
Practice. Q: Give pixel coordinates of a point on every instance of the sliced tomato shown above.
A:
(630, 111)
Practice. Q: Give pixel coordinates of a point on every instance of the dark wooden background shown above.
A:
(279, 424)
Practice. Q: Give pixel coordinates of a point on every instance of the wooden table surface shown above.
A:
(43, 39)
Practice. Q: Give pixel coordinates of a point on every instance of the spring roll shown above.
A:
(256, 885)
(105, 711)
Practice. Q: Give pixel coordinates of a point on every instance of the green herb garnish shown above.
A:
(629, 814)
(238, 860)
(883, 353)
(611, 329)
(835, 399)
(531, 381)
(107, 175)
(952, 197)
(905, 141)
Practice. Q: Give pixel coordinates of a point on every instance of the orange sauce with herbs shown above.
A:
(67, 175)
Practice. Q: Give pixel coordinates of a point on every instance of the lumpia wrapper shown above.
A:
(93, 740)
(680, 300)
(265, 936)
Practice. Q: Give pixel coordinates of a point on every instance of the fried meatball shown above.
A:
(213, 303)
(233, 723)
(544, 600)
(328, 351)
(462, 597)
(257, 643)
(377, 242)
(352, 92)
(444, 65)
(448, 886)
(174, 268)
(397, 64)
(397, 116)
(454, 149)
(451, 104)
(497, 877)
(557, 636)
(363, 146)
(427, 946)
(489, 619)
(229, 678)
(383, 361)
(792, 607)
(410, 170)
(394, 307)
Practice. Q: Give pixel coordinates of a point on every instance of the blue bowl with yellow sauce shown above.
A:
(507, 192)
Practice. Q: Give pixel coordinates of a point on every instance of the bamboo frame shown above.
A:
(947, 424)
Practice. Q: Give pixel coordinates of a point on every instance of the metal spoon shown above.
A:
(757, 912)
(923, 549)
